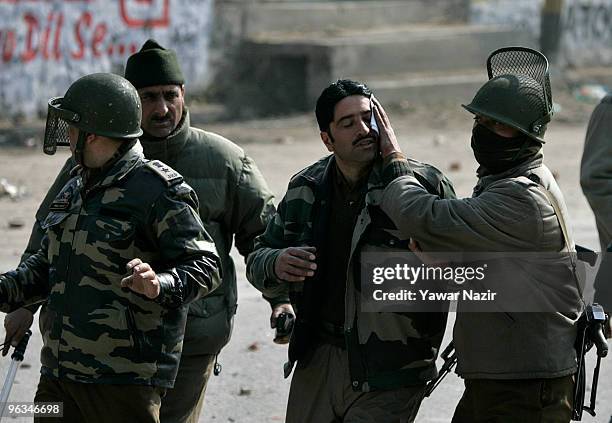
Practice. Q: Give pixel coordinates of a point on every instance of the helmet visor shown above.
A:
(525, 61)
(56, 129)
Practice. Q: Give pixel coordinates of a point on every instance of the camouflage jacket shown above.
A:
(235, 206)
(95, 331)
(386, 350)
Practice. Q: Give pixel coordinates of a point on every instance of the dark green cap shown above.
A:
(153, 65)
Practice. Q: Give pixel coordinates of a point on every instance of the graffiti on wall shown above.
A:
(523, 15)
(587, 33)
(47, 44)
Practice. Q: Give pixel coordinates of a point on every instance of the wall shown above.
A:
(522, 14)
(47, 44)
(585, 32)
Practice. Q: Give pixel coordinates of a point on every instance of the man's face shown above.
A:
(350, 137)
(497, 127)
(162, 109)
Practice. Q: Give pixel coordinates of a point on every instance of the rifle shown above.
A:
(450, 360)
(590, 332)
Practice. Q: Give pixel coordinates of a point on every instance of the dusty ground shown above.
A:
(251, 388)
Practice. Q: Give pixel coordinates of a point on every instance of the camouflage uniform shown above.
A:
(409, 344)
(234, 201)
(95, 331)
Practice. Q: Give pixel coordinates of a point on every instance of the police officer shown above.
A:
(517, 367)
(235, 206)
(596, 182)
(123, 252)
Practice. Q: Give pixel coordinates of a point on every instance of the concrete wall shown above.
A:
(577, 33)
(521, 14)
(587, 33)
(47, 44)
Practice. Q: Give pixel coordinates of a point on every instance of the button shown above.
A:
(355, 384)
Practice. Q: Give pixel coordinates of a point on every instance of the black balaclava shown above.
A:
(498, 154)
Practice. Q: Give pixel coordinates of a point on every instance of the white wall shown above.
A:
(47, 44)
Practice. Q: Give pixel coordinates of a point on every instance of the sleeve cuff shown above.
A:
(277, 300)
(169, 293)
(394, 166)
(33, 308)
(271, 280)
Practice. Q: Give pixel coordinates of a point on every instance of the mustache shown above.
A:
(163, 118)
(370, 136)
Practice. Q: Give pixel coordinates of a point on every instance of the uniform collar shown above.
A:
(121, 167)
(522, 169)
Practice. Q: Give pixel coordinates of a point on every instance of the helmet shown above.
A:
(514, 100)
(101, 103)
(518, 92)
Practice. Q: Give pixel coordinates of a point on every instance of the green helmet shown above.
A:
(101, 103)
(518, 92)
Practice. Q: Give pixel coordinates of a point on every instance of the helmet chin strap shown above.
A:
(79, 150)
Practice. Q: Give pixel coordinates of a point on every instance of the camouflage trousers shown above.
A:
(183, 403)
(98, 403)
(511, 401)
(321, 392)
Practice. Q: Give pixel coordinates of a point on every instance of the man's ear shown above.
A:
(327, 141)
(90, 138)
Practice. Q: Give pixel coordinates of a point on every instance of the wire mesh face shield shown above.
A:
(526, 61)
(56, 128)
(518, 93)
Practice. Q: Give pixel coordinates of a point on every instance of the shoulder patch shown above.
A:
(169, 175)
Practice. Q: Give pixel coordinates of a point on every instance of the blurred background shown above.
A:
(272, 57)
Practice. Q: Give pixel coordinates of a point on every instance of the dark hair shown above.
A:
(332, 95)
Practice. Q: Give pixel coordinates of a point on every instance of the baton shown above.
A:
(16, 358)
